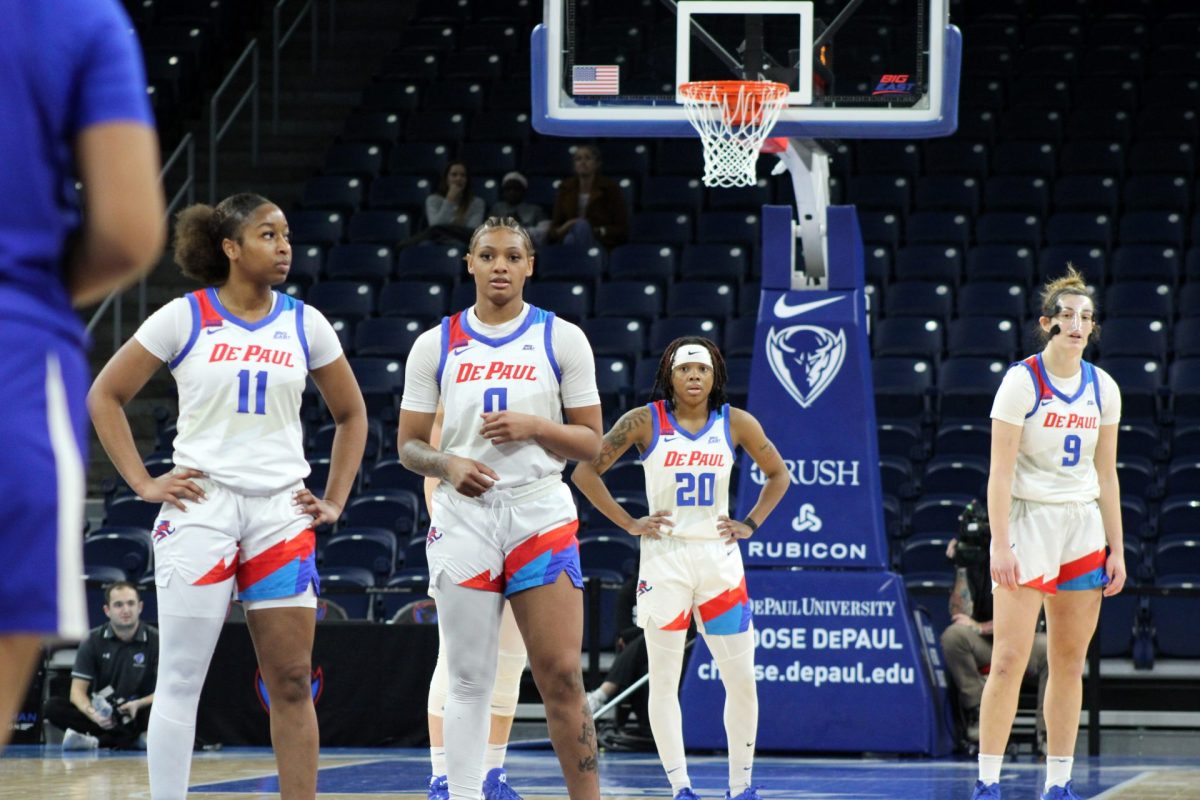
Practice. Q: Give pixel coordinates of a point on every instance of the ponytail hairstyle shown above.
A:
(501, 223)
(662, 379)
(1052, 293)
(200, 229)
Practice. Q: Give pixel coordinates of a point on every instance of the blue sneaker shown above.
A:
(1062, 793)
(438, 790)
(989, 792)
(686, 793)
(495, 786)
(751, 793)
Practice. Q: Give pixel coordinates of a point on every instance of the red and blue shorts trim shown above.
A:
(282, 570)
(1081, 574)
(540, 559)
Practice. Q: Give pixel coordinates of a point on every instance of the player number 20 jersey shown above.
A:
(688, 474)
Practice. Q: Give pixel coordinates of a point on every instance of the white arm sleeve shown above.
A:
(574, 355)
(166, 331)
(421, 389)
(1015, 397)
(323, 345)
(1110, 398)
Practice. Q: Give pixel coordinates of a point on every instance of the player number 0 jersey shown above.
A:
(688, 474)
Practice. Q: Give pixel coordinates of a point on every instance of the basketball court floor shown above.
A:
(32, 771)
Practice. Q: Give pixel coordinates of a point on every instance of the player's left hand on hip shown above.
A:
(1114, 569)
(502, 427)
(323, 512)
(731, 529)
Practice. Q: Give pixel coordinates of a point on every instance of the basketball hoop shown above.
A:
(732, 118)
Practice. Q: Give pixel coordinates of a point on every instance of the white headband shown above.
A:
(692, 354)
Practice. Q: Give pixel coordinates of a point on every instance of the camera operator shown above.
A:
(967, 642)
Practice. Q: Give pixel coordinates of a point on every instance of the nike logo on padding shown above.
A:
(785, 311)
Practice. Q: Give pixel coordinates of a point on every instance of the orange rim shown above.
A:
(757, 95)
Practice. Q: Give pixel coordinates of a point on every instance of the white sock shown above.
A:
(437, 761)
(1058, 771)
(493, 757)
(989, 769)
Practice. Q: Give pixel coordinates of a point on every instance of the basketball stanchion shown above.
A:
(733, 119)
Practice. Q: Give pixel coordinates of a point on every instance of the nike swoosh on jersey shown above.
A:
(784, 310)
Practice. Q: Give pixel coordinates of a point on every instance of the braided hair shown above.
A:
(662, 379)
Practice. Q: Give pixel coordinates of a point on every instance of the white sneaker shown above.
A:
(596, 699)
(74, 740)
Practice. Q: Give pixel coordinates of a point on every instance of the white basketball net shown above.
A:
(733, 119)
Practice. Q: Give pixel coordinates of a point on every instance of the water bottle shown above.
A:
(101, 706)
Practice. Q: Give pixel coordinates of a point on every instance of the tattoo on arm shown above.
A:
(423, 459)
(960, 596)
(615, 440)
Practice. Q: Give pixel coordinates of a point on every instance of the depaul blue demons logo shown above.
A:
(260, 687)
(805, 359)
(162, 530)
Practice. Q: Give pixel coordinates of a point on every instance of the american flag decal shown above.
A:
(596, 79)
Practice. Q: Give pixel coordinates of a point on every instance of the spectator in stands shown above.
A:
(630, 663)
(967, 642)
(512, 204)
(1054, 505)
(112, 683)
(76, 112)
(589, 208)
(452, 212)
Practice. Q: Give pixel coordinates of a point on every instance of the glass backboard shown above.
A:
(854, 68)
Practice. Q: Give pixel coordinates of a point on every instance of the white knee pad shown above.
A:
(507, 688)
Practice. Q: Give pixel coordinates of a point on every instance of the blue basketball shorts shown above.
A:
(43, 431)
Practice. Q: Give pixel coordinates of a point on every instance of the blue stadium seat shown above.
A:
(547, 157)
(877, 264)
(1024, 158)
(1164, 157)
(418, 158)
(390, 96)
(970, 439)
(352, 300)
(880, 228)
(1164, 228)
(956, 475)
(347, 586)
(334, 192)
(354, 159)
(1028, 194)
(1134, 336)
(614, 381)
(722, 262)
(1178, 557)
(991, 299)
(307, 263)
(385, 227)
(393, 509)
(454, 97)
(389, 473)
(888, 158)
(1189, 294)
(925, 555)
(1011, 264)
(1185, 387)
(1089, 259)
(959, 193)
(1179, 518)
(909, 336)
(1183, 477)
(956, 156)
(624, 337)
(373, 549)
(1080, 228)
(626, 477)
(613, 550)
(370, 263)
(1141, 298)
(654, 262)
(925, 299)
(1141, 380)
(993, 337)
(381, 381)
(1138, 477)
(929, 262)
(626, 157)
(641, 299)
(489, 157)
(967, 386)
(407, 585)
(673, 193)
(896, 476)
(667, 227)
(571, 301)
(423, 300)
(1146, 262)
(729, 227)
(881, 193)
(386, 337)
(903, 439)
(316, 227)
(739, 336)
(1095, 193)
(127, 548)
(1008, 227)
(1156, 193)
(901, 387)
(1108, 124)
(1174, 618)
(372, 126)
(938, 514)
(1168, 121)
(700, 299)
(500, 125)
(401, 192)
(442, 263)
(1139, 437)
(939, 227)
(1093, 157)
(929, 593)
(570, 263)
(666, 330)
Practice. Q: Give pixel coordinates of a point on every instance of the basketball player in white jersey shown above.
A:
(691, 563)
(503, 522)
(235, 506)
(506, 691)
(1053, 503)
